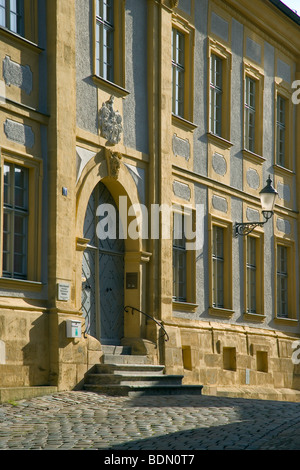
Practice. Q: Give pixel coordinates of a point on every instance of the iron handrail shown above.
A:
(149, 316)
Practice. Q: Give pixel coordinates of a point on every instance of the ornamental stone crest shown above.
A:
(113, 160)
(110, 122)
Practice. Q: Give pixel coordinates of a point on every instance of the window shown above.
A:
(12, 15)
(254, 276)
(281, 133)
(15, 221)
(253, 109)
(282, 281)
(216, 95)
(219, 86)
(251, 275)
(179, 258)
(178, 66)
(250, 110)
(218, 267)
(105, 39)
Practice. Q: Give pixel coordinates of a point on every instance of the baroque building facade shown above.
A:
(139, 119)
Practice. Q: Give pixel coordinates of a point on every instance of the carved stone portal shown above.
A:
(110, 122)
(113, 160)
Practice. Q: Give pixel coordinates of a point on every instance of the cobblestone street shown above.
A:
(84, 420)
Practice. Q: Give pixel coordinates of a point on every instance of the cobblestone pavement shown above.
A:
(84, 420)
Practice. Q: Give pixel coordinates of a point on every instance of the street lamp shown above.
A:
(267, 199)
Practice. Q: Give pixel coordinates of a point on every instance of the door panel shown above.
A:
(103, 269)
(111, 286)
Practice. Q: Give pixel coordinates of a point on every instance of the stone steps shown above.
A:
(123, 374)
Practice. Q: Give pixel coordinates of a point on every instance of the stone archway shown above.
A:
(119, 185)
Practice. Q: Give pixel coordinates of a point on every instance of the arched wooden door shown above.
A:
(103, 273)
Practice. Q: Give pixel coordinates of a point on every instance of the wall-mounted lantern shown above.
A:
(267, 199)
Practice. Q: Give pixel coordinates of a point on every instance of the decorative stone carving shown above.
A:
(182, 190)
(284, 191)
(113, 163)
(110, 122)
(252, 214)
(17, 75)
(220, 203)
(283, 226)
(181, 147)
(19, 133)
(253, 179)
(219, 164)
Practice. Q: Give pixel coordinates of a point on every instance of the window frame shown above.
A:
(115, 83)
(29, 26)
(283, 92)
(104, 25)
(256, 76)
(185, 118)
(251, 268)
(216, 95)
(218, 50)
(258, 314)
(10, 211)
(250, 112)
(19, 14)
(281, 127)
(218, 261)
(188, 222)
(179, 251)
(289, 245)
(226, 309)
(34, 168)
(178, 73)
(282, 274)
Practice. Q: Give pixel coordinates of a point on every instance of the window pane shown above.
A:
(20, 188)
(2, 13)
(104, 47)
(7, 184)
(15, 221)
(178, 72)
(250, 114)
(251, 274)
(215, 94)
(218, 266)
(179, 258)
(13, 22)
(6, 240)
(282, 282)
(280, 157)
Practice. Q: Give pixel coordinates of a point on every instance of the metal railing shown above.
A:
(149, 316)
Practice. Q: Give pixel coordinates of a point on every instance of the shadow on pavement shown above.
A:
(252, 425)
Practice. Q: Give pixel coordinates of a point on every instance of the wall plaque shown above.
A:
(63, 291)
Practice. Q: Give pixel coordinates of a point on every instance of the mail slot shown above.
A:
(73, 328)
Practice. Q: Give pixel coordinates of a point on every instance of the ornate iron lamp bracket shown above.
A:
(244, 228)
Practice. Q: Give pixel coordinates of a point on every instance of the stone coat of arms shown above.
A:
(110, 122)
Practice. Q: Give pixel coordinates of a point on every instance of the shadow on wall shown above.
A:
(135, 104)
(36, 351)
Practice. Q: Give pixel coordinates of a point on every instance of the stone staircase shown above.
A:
(123, 374)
